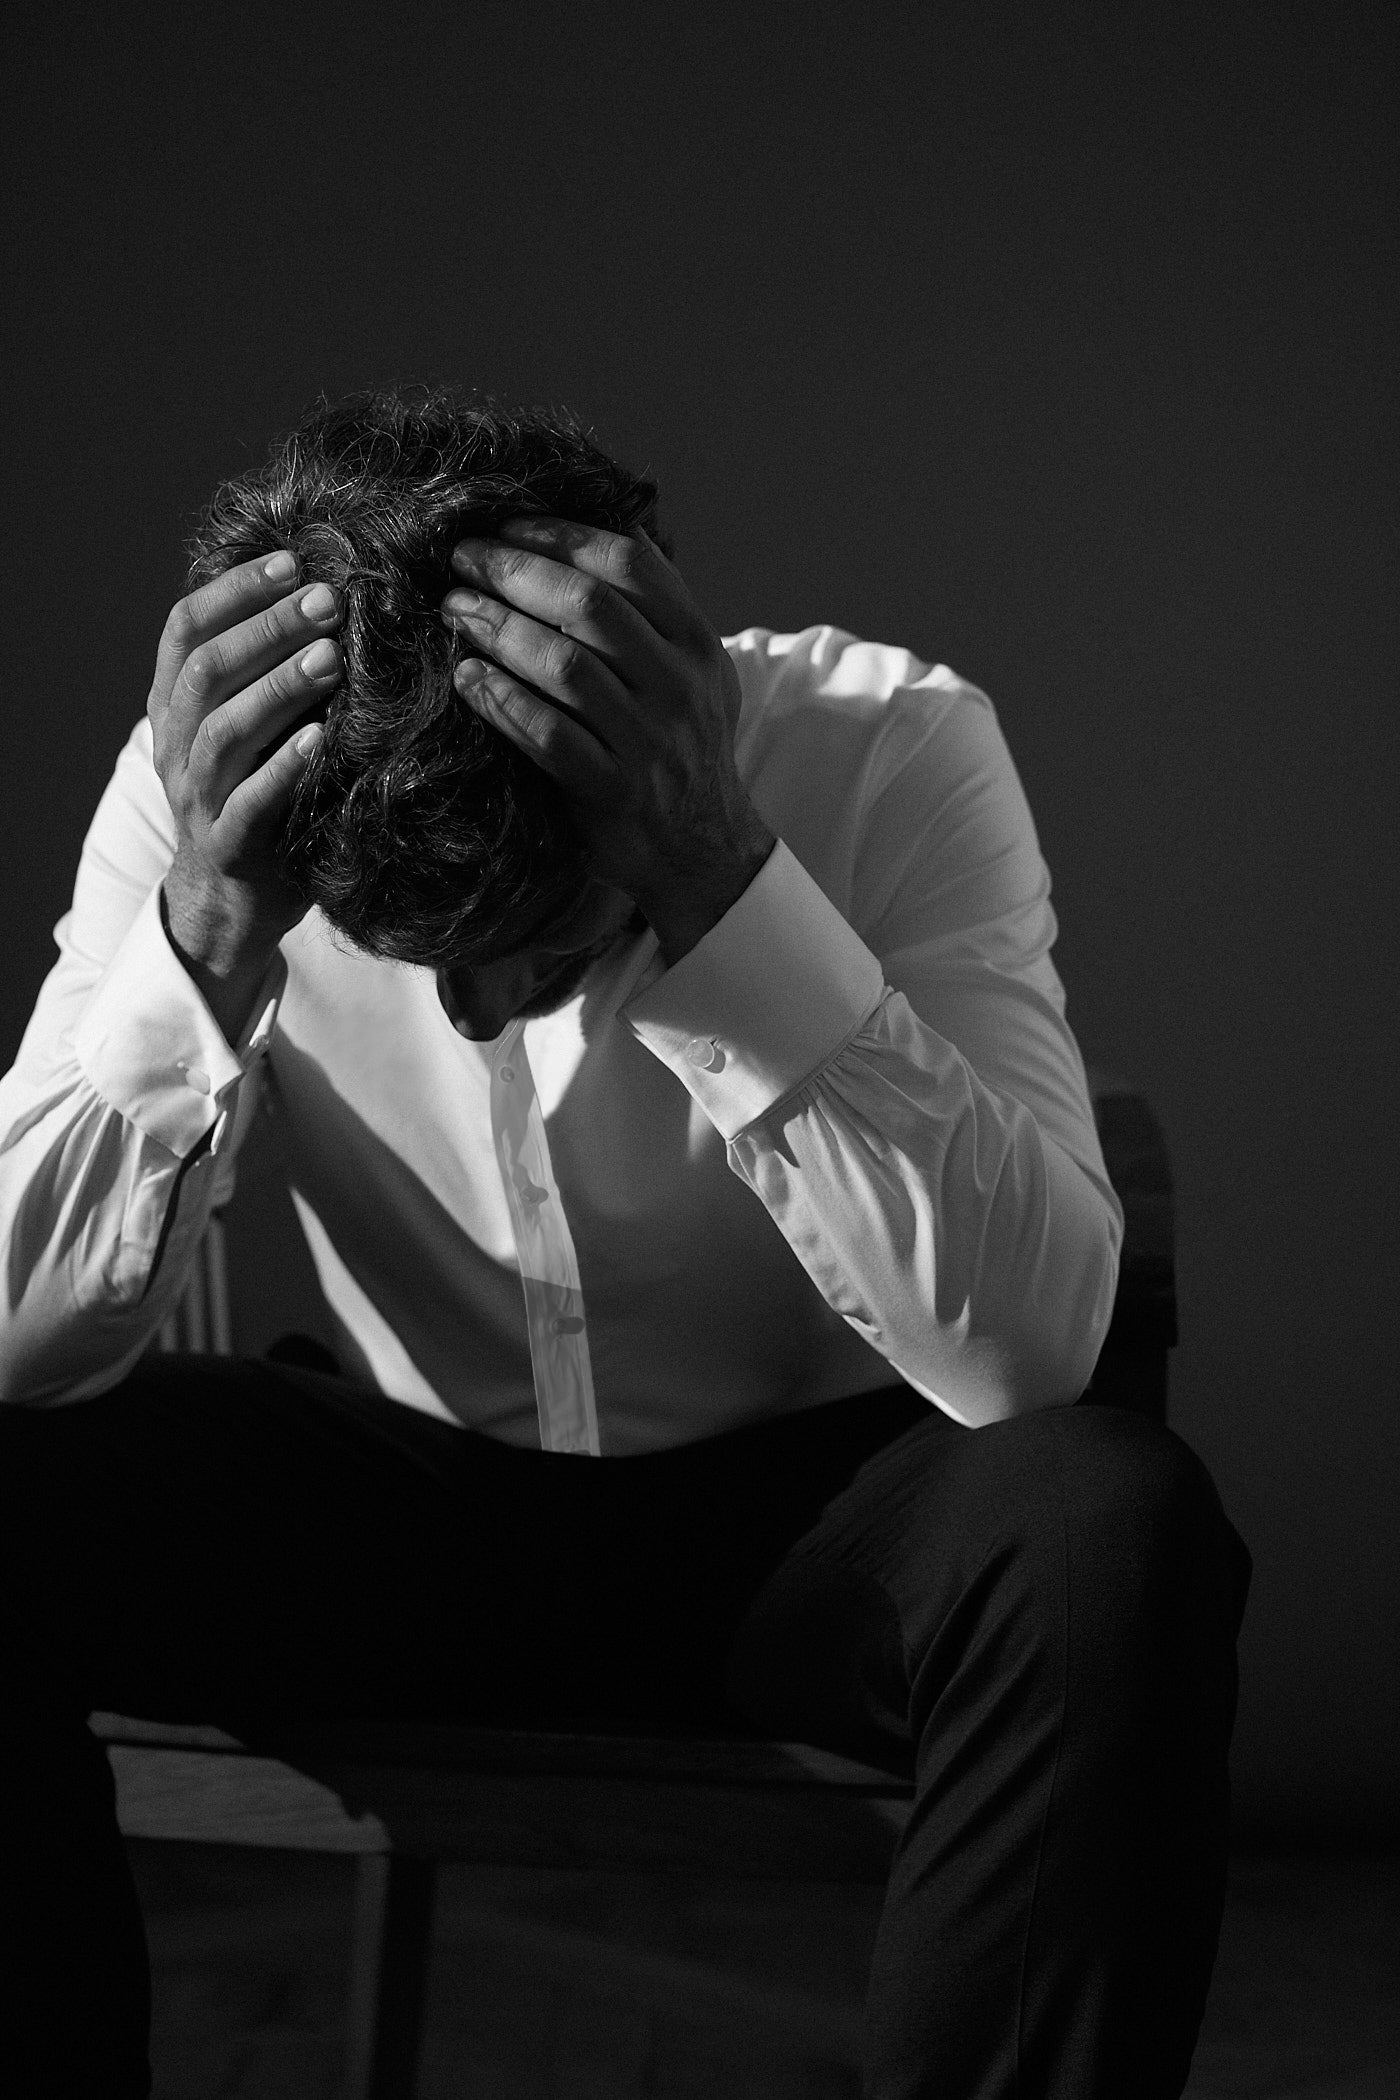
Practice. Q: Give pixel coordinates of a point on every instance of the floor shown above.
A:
(552, 1987)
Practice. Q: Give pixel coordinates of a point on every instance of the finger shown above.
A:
(559, 744)
(228, 662)
(258, 806)
(230, 742)
(566, 599)
(224, 602)
(631, 568)
(559, 667)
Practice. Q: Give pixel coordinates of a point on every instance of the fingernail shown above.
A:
(462, 602)
(280, 568)
(319, 602)
(308, 740)
(320, 660)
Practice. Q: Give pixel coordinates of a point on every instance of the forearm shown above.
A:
(940, 1181)
(938, 1218)
(118, 1129)
(121, 1119)
(98, 1223)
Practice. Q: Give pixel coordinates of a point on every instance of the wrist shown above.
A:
(217, 922)
(218, 939)
(690, 904)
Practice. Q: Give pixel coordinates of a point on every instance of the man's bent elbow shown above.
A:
(1070, 1343)
(1008, 1364)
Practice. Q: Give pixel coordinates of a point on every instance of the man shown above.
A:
(672, 1075)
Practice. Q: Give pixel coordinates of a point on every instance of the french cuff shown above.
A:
(152, 1049)
(763, 1001)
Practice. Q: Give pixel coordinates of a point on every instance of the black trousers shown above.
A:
(1037, 1619)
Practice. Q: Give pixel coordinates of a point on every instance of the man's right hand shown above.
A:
(241, 660)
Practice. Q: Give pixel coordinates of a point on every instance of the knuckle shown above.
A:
(181, 628)
(562, 660)
(211, 738)
(624, 558)
(277, 629)
(541, 725)
(515, 563)
(267, 626)
(521, 708)
(210, 607)
(586, 598)
(201, 668)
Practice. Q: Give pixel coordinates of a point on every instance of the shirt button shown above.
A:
(702, 1053)
(196, 1077)
(567, 1323)
(508, 1074)
(532, 1194)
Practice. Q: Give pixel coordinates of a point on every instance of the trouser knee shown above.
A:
(1142, 1513)
(1085, 1542)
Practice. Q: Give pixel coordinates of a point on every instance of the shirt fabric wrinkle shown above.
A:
(854, 1103)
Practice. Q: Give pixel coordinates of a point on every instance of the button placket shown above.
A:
(549, 1276)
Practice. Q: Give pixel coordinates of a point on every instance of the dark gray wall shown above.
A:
(1055, 342)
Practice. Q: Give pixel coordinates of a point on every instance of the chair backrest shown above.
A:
(1132, 1366)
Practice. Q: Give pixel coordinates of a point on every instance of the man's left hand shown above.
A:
(597, 662)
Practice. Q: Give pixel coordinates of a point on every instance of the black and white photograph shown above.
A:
(698, 1152)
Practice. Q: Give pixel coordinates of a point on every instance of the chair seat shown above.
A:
(704, 1805)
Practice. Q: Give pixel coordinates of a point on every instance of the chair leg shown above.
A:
(388, 1973)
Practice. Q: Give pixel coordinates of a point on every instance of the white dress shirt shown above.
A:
(845, 1141)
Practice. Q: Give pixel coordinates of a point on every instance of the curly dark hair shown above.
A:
(419, 830)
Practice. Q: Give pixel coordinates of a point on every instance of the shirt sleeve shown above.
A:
(120, 1119)
(908, 1101)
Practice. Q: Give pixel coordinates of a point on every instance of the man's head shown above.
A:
(419, 830)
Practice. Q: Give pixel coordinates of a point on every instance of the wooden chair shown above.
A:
(403, 1798)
